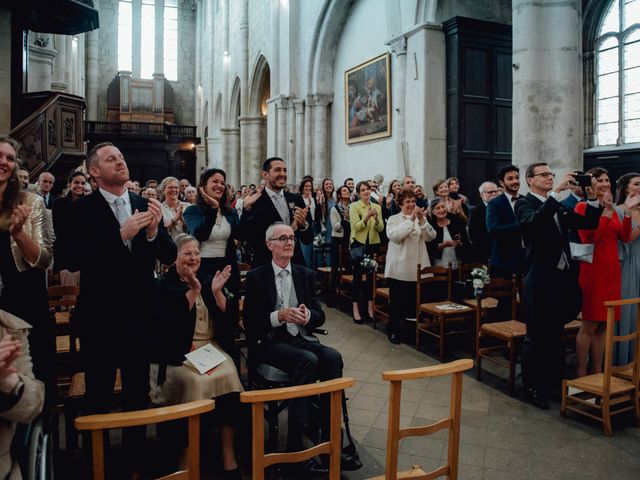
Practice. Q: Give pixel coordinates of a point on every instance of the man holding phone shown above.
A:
(576, 196)
(271, 204)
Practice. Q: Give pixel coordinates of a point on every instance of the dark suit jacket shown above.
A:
(254, 224)
(507, 254)
(570, 202)
(260, 301)
(478, 234)
(116, 292)
(549, 291)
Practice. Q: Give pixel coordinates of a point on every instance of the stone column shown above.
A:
(58, 82)
(253, 140)
(292, 143)
(201, 159)
(321, 160)
(308, 136)
(300, 140)
(231, 163)
(40, 68)
(282, 108)
(69, 65)
(399, 74)
(92, 79)
(215, 148)
(547, 84)
(244, 57)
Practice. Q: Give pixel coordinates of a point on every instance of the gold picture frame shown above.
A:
(367, 99)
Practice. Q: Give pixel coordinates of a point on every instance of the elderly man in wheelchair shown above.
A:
(281, 311)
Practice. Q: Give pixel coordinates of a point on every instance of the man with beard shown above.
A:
(271, 204)
(507, 249)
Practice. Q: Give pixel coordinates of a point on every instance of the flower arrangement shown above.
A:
(480, 277)
(319, 240)
(369, 264)
(292, 205)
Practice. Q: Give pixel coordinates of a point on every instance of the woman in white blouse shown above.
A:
(306, 192)
(172, 207)
(408, 232)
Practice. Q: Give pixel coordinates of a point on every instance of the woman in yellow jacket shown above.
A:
(366, 224)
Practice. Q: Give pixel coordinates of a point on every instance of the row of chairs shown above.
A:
(97, 424)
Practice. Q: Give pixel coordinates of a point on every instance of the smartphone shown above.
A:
(583, 180)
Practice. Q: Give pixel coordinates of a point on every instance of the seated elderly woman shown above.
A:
(408, 232)
(191, 313)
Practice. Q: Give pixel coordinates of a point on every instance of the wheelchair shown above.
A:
(32, 450)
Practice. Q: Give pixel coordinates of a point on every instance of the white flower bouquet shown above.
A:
(480, 277)
(369, 264)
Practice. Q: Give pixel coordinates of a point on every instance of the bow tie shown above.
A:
(513, 199)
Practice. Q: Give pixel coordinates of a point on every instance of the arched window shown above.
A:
(157, 22)
(617, 71)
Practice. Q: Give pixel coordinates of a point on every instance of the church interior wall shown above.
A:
(489, 10)
(362, 39)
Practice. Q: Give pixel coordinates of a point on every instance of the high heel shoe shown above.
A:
(358, 321)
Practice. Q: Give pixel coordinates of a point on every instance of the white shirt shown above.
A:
(275, 323)
(111, 200)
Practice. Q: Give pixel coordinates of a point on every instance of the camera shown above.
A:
(583, 180)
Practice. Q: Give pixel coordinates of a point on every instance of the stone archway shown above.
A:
(253, 126)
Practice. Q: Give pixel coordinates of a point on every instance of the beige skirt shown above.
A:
(183, 384)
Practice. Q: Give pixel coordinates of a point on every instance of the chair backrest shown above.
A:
(343, 259)
(611, 338)
(192, 410)
(452, 422)
(499, 288)
(62, 296)
(432, 275)
(257, 398)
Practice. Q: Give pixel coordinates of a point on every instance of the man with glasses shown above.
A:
(478, 234)
(281, 310)
(552, 295)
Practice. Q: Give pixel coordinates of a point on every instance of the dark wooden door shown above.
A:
(479, 98)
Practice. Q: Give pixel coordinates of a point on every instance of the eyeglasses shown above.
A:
(544, 175)
(283, 239)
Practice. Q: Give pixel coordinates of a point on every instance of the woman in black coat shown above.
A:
(451, 239)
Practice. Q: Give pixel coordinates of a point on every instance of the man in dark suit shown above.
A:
(45, 184)
(281, 308)
(507, 250)
(270, 204)
(117, 238)
(478, 234)
(552, 295)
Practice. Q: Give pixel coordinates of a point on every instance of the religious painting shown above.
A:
(368, 100)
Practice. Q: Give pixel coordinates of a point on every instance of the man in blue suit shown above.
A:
(507, 250)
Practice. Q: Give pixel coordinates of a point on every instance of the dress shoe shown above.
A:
(302, 470)
(358, 321)
(535, 398)
(394, 338)
(231, 474)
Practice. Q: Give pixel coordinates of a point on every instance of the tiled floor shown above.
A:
(501, 437)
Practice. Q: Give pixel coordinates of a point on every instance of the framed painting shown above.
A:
(368, 100)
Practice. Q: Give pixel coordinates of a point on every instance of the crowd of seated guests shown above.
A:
(213, 226)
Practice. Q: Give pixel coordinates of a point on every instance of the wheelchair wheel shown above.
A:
(39, 455)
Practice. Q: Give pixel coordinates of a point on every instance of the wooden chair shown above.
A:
(431, 318)
(97, 424)
(602, 395)
(507, 335)
(345, 280)
(258, 398)
(452, 422)
(380, 292)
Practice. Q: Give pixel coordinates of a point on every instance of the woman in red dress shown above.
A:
(601, 279)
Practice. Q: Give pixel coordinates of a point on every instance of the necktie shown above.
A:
(285, 298)
(122, 215)
(281, 206)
